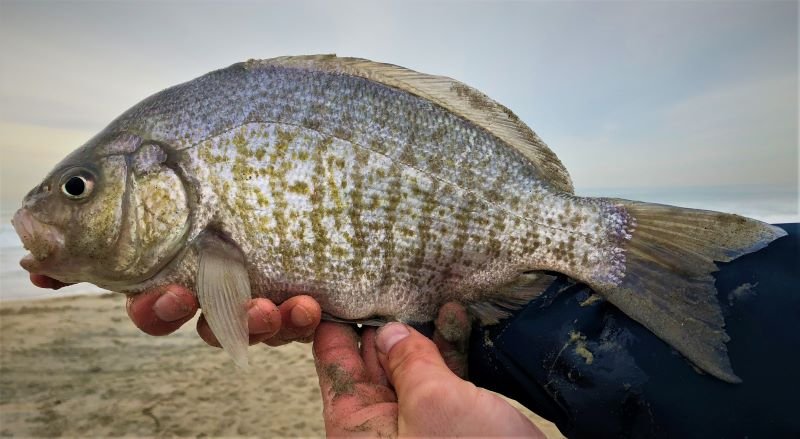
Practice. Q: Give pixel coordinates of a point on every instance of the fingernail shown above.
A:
(170, 307)
(389, 334)
(300, 317)
(261, 321)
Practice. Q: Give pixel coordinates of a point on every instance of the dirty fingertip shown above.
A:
(171, 306)
(205, 332)
(301, 317)
(263, 318)
(453, 322)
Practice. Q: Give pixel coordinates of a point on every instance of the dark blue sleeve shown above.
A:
(593, 371)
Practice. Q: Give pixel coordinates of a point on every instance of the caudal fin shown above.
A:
(668, 286)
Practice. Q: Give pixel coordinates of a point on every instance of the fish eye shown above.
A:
(77, 185)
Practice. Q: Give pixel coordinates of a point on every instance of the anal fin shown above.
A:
(223, 290)
(511, 296)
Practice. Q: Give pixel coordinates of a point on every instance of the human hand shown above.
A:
(162, 310)
(398, 384)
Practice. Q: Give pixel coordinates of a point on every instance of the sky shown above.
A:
(628, 94)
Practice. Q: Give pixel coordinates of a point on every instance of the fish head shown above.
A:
(112, 213)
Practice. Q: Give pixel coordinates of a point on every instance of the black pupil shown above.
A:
(75, 186)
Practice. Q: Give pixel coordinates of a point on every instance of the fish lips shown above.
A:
(42, 240)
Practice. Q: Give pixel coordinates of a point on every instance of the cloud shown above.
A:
(742, 133)
(627, 93)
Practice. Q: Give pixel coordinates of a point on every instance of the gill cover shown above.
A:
(158, 213)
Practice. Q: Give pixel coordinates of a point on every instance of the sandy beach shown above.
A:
(76, 366)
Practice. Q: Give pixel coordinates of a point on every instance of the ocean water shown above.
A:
(766, 203)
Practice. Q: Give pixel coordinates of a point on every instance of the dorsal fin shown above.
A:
(454, 96)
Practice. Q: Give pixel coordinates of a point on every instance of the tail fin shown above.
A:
(668, 287)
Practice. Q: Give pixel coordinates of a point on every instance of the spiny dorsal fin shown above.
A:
(451, 95)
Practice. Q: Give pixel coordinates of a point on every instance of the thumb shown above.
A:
(410, 359)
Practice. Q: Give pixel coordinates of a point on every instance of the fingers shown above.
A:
(351, 404)
(336, 344)
(432, 400)
(372, 365)
(410, 359)
(43, 281)
(338, 363)
(162, 310)
(294, 320)
(451, 336)
(300, 316)
(263, 322)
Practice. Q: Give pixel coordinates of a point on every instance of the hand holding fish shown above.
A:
(162, 310)
(398, 384)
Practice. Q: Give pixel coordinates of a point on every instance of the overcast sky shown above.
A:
(628, 94)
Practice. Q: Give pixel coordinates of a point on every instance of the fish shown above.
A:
(381, 192)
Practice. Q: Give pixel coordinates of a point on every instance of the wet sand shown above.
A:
(77, 366)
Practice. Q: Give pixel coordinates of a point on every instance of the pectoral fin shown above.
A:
(223, 290)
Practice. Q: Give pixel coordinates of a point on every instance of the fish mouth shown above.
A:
(43, 241)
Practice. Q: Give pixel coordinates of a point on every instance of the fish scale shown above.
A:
(394, 247)
(332, 258)
(379, 191)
